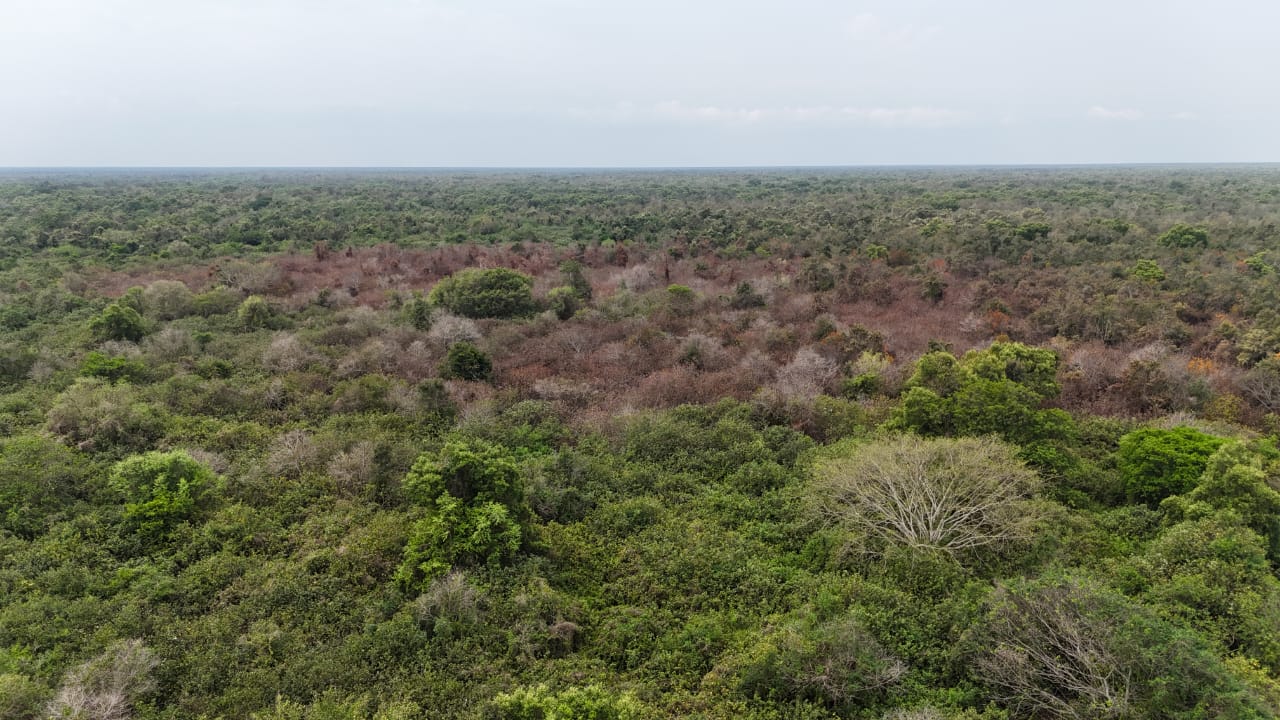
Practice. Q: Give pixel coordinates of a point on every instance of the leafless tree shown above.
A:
(105, 687)
(1049, 654)
(946, 494)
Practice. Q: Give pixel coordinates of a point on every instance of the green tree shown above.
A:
(485, 293)
(418, 312)
(118, 322)
(564, 301)
(474, 504)
(1234, 481)
(745, 297)
(113, 368)
(1182, 235)
(161, 489)
(681, 300)
(1147, 270)
(1157, 463)
(576, 278)
(254, 312)
(466, 362)
(998, 390)
(1212, 573)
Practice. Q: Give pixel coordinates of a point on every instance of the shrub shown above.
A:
(418, 312)
(746, 297)
(680, 300)
(450, 329)
(835, 662)
(218, 301)
(285, 353)
(574, 277)
(485, 293)
(292, 453)
(167, 299)
(449, 604)
(38, 478)
(465, 361)
(170, 344)
(1147, 270)
(21, 698)
(114, 368)
(998, 390)
(806, 376)
(542, 703)
(95, 413)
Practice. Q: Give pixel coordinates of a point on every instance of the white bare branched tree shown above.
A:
(106, 687)
(939, 493)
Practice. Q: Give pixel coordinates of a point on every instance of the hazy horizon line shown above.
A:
(632, 168)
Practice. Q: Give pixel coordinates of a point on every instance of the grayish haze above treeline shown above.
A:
(656, 83)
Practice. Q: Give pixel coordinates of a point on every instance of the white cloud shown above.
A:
(1099, 112)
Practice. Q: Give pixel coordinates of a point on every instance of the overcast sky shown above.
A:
(622, 83)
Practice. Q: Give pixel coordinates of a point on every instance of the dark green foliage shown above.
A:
(465, 361)
(485, 293)
(745, 297)
(1158, 463)
(933, 288)
(418, 312)
(118, 322)
(816, 275)
(39, 479)
(434, 402)
(832, 661)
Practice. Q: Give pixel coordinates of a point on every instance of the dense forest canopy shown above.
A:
(899, 443)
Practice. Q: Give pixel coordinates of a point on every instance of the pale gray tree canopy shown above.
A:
(656, 83)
